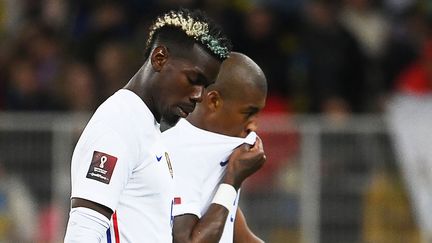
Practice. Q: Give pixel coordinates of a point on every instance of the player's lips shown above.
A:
(185, 110)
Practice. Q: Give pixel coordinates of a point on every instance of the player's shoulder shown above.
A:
(182, 128)
(122, 115)
(125, 109)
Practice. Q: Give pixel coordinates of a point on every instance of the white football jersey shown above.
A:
(200, 158)
(120, 162)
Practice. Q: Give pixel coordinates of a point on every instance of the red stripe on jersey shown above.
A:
(177, 200)
(116, 229)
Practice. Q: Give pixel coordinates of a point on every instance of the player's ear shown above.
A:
(214, 100)
(159, 57)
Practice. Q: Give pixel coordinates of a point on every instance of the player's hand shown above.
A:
(243, 162)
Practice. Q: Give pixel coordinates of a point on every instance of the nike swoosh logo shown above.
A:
(223, 163)
(158, 158)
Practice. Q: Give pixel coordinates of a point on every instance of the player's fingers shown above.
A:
(258, 146)
(244, 148)
(260, 149)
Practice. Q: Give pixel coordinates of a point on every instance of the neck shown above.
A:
(198, 119)
(141, 85)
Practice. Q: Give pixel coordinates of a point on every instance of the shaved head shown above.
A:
(239, 74)
(232, 103)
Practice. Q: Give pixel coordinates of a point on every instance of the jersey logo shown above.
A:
(223, 163)
(158, 158)
(169, 165)
(101, 167)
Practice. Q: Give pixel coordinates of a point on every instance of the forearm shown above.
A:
(189, 228)
(209, 228)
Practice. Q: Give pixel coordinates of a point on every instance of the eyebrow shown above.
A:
(252, 109)
(200, 76)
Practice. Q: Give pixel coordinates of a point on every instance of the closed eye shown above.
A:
(251, 112)
(200, 81)
(193, 81)
(197, 78)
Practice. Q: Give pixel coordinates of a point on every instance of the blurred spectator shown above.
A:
(11, 16)
(409, 116)
(78, 88)
(409, 32)
(371, 28)
(98, 22)
(17, 211)
(23, 90)
(260, 41)
(416, 79)
(55, 12)
(367, 24)
(113, 67)
(397, 7)
(37, 52)
(335, 62)
(45, 49)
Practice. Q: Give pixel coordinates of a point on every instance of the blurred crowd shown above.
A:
(320, 56)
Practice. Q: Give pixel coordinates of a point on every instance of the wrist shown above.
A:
(230, 180)
(225, 196)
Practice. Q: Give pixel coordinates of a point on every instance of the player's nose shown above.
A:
(197, 93)
(252, 126)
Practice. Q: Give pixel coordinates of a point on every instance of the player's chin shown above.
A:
(171, 119)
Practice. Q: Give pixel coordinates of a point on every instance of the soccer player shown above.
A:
(207, 181)
(120, 169)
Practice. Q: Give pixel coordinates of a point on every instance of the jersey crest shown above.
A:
(169, 165)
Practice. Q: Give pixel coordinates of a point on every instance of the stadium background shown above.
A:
(332, 174)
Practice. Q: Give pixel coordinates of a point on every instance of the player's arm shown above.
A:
(208, 228)
(242, 233)
(88, 221)
(94, 197)
(80, 202)
(243, 162)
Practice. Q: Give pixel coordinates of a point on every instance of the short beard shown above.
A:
(169, 121)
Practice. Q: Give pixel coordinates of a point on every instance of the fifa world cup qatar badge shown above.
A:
(101, 167)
